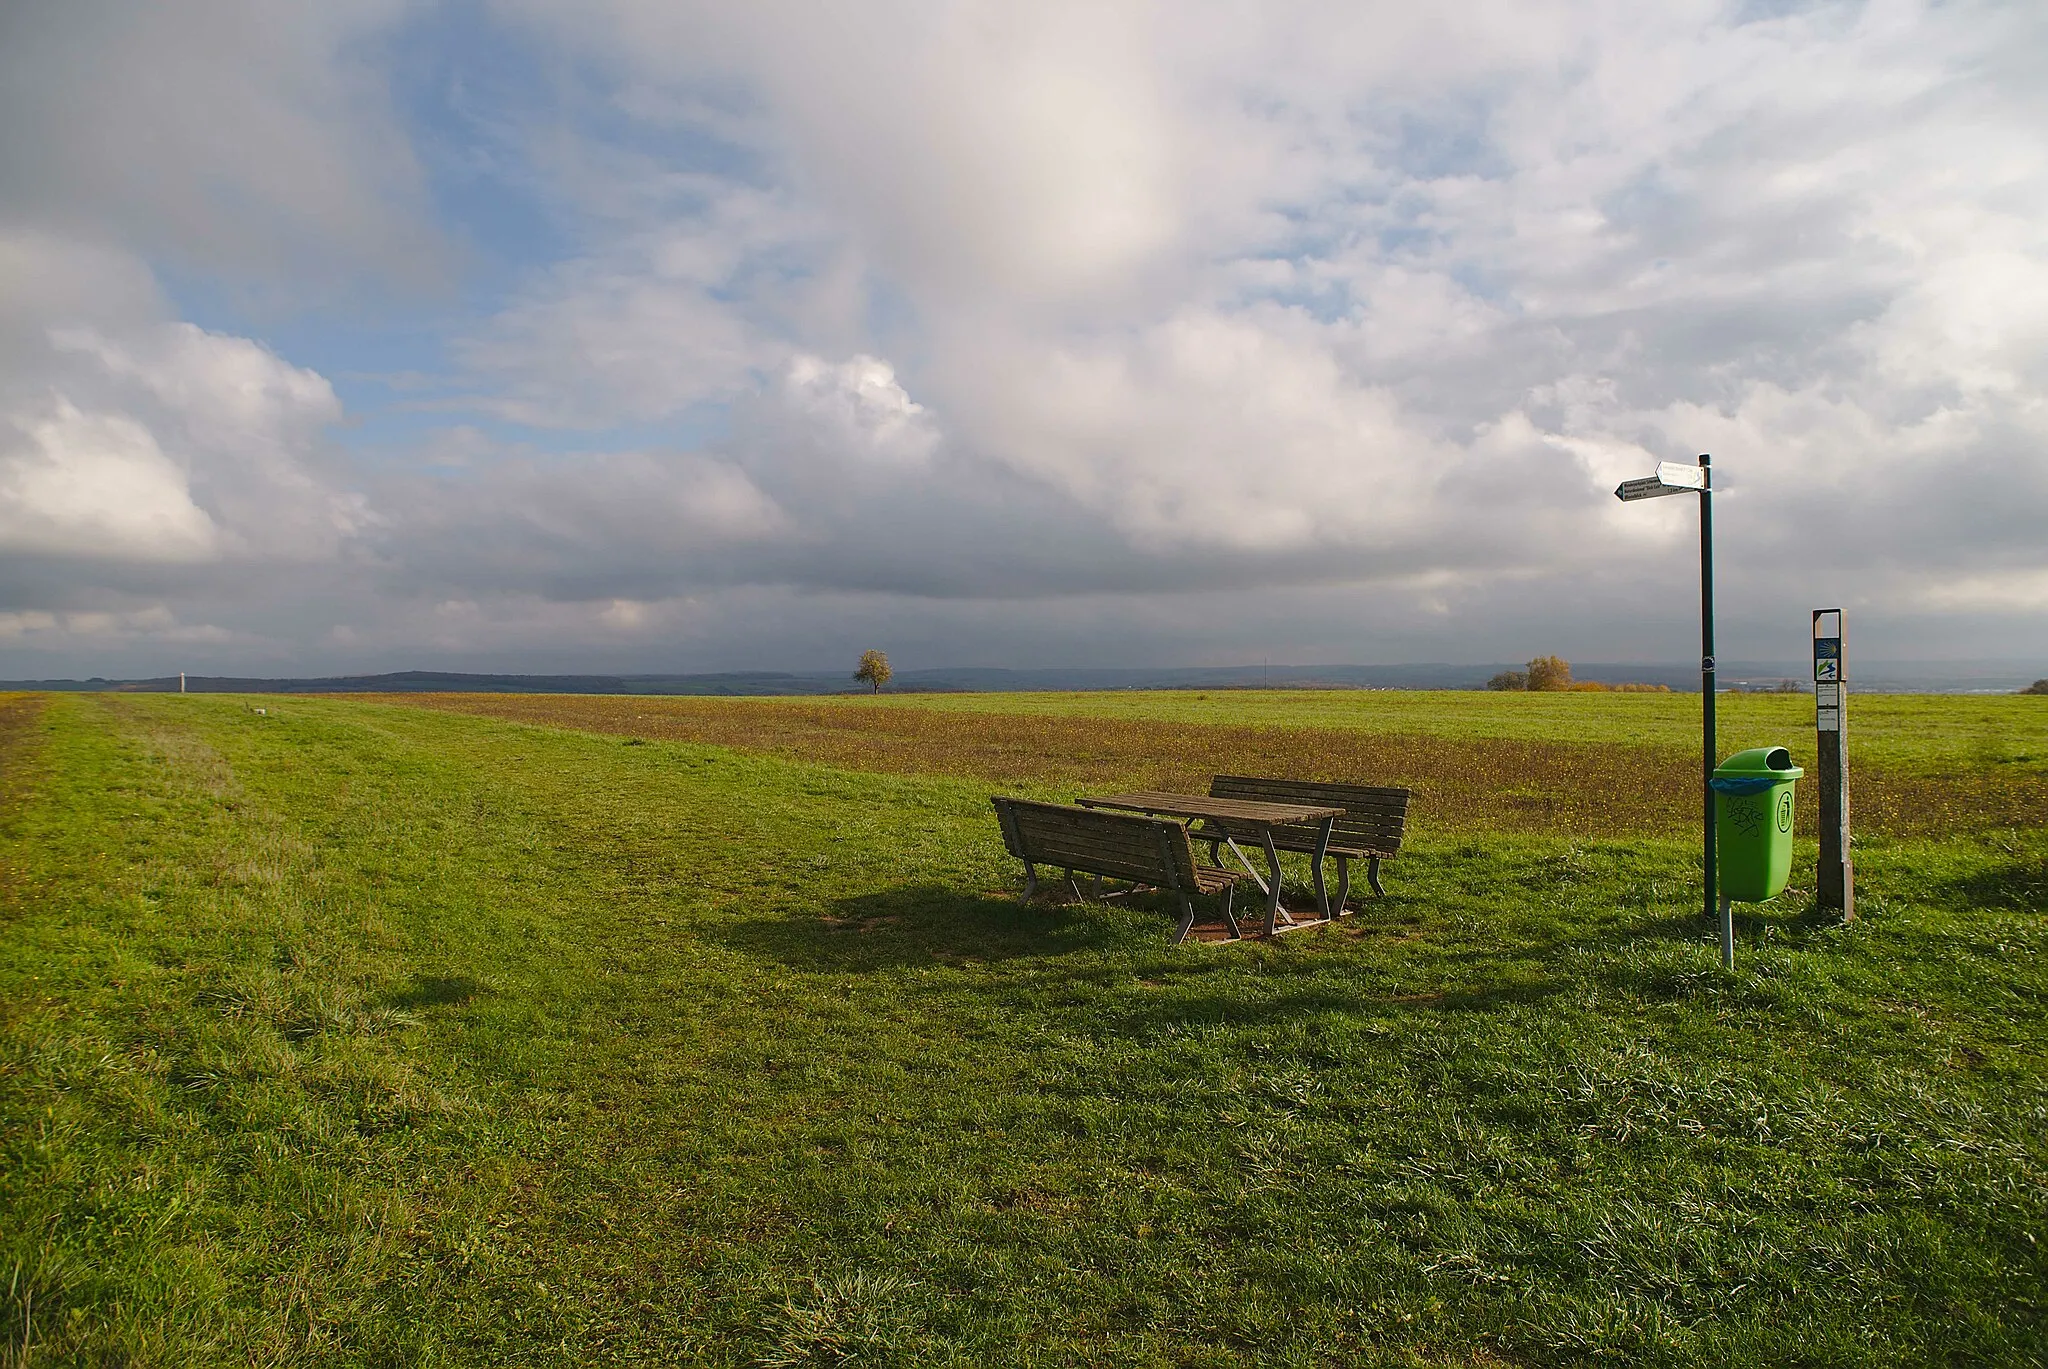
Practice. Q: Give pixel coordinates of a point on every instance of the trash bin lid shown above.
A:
(1763, 762)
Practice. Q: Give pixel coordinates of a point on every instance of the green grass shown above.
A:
(354, 1034)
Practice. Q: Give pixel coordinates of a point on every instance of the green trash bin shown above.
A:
(1753, 822)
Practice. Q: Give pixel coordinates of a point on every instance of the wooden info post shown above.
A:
(1837, 873)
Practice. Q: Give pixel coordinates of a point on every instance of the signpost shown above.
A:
(1675, 477)
(1837, 874)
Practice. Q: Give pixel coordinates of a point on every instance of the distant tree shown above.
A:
(1509, 679)
(2037, 687)
(1550, 672)
(874, 670)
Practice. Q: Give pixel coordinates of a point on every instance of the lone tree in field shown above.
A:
(2037, 687)
(874, 668)
(1509, 679)
(1550, 672)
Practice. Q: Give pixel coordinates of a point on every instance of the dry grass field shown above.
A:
(1464, 784)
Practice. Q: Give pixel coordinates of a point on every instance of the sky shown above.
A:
(654, 335)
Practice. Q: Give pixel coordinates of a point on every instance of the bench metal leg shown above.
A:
(1229, 893)
(1343, 884)
(1273, 894)
(1187, 919)
(1372, 876)
(1323, 849)
(1030, 881)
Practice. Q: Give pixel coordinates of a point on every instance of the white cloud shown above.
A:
(863, 412)
(246, 425)
(97, 485)
(143, 458)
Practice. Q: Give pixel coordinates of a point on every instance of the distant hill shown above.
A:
(961, 680)
(1993, 677)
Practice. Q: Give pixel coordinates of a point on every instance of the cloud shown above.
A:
(141, 455)
(1060, 314)
(669, 316)
(241, 135)
(98, 485)
(156, 625)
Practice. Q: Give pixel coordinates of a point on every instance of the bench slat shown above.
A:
(1374, 821)
(1143, 850)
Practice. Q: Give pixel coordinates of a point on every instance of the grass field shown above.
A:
(679, 1031)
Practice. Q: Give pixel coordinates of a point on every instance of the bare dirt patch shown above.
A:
(1461, 784)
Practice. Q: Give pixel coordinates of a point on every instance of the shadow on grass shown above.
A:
(919, 924)
(1248, 1006)
(434, 991)
(2020, 884)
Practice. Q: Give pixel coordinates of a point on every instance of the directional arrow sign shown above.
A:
(1649, 487)
(1682, 475)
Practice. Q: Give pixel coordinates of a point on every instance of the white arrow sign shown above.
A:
(1649, 487)
(1683, 476)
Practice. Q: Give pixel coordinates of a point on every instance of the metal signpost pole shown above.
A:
(1674, 477)
(1837, 872)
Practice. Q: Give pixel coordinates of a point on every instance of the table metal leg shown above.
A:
(1245, 861)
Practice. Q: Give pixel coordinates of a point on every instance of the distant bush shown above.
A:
(2037, 687)
(1554, 674)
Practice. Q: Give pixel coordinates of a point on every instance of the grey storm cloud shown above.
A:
(1083, 332)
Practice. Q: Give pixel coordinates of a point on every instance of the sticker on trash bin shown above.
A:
(1785, 811)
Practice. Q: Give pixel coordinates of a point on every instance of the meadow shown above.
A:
(510, 1030)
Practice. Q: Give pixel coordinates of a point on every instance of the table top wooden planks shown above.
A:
(1162, 804)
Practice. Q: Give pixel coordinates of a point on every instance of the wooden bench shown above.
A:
(1145, 851)
(1370, 830)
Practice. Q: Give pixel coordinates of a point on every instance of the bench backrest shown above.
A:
(1374, 818)
(1152, 851)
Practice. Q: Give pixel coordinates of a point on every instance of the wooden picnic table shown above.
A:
(1243, 816)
